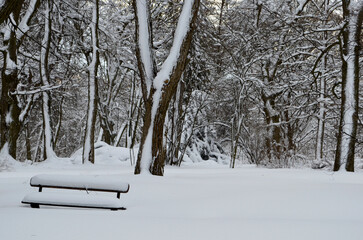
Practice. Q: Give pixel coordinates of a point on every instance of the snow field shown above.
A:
(195, 202)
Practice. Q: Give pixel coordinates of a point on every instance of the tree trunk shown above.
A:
(106, 125)
(27, 143)
(48, 139)
(159, 90)
(59, 124)
(179, 121)
(353, 13)
(145, 130)
(10, 123)
(9, 107)
(175, 124)
(322, 94)
(88, 147)
(273, 138)
(321, 117)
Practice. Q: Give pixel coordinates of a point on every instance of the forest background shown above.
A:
(272, 83)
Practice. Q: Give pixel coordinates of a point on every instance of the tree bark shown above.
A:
(353, 14)
(159, 90)
(321, 117)
(9, 108)
(88, 147)
(10, 123)
(179, 121)
(322, 93)
(44, 72)
(273, 138)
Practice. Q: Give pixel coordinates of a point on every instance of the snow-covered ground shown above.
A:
(199, 201)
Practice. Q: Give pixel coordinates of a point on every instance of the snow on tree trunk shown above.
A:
(48, 144)
(10, 122)
(322, 93)
(175, 125)
(10, 125)
(353, 13)
(321, 123)
(88, 147)
(321, 116)
(159, 90)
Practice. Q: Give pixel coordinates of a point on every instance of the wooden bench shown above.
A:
(70, 182)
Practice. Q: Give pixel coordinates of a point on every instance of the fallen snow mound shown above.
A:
(105, 154)
(7, 163)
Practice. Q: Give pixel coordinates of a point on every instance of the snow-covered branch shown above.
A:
(300, 8)
(35, 91)
(144, 39)
(181, 31)
(23, 25)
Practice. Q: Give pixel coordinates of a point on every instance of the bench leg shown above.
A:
(34, 205)
(116, 209)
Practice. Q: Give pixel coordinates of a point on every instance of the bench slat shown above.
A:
(91, 183)
(73, 200)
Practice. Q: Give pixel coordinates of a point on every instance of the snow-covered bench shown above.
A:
(86, 183)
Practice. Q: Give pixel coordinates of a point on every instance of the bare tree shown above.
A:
(158, 87)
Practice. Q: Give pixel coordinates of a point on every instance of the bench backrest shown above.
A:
(84, 182)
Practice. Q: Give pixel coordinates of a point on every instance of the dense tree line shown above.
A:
(273, 83)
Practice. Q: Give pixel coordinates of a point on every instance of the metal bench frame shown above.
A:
(41, 186)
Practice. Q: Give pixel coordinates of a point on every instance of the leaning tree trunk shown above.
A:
(353, 13)
(158, 90)
(88, 147)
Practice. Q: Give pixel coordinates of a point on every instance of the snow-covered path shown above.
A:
(198, 203)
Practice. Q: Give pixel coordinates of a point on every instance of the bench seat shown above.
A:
(72, 200)
(89, 183)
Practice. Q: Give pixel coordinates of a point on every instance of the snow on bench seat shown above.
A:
(91, 183)
(72, 200)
